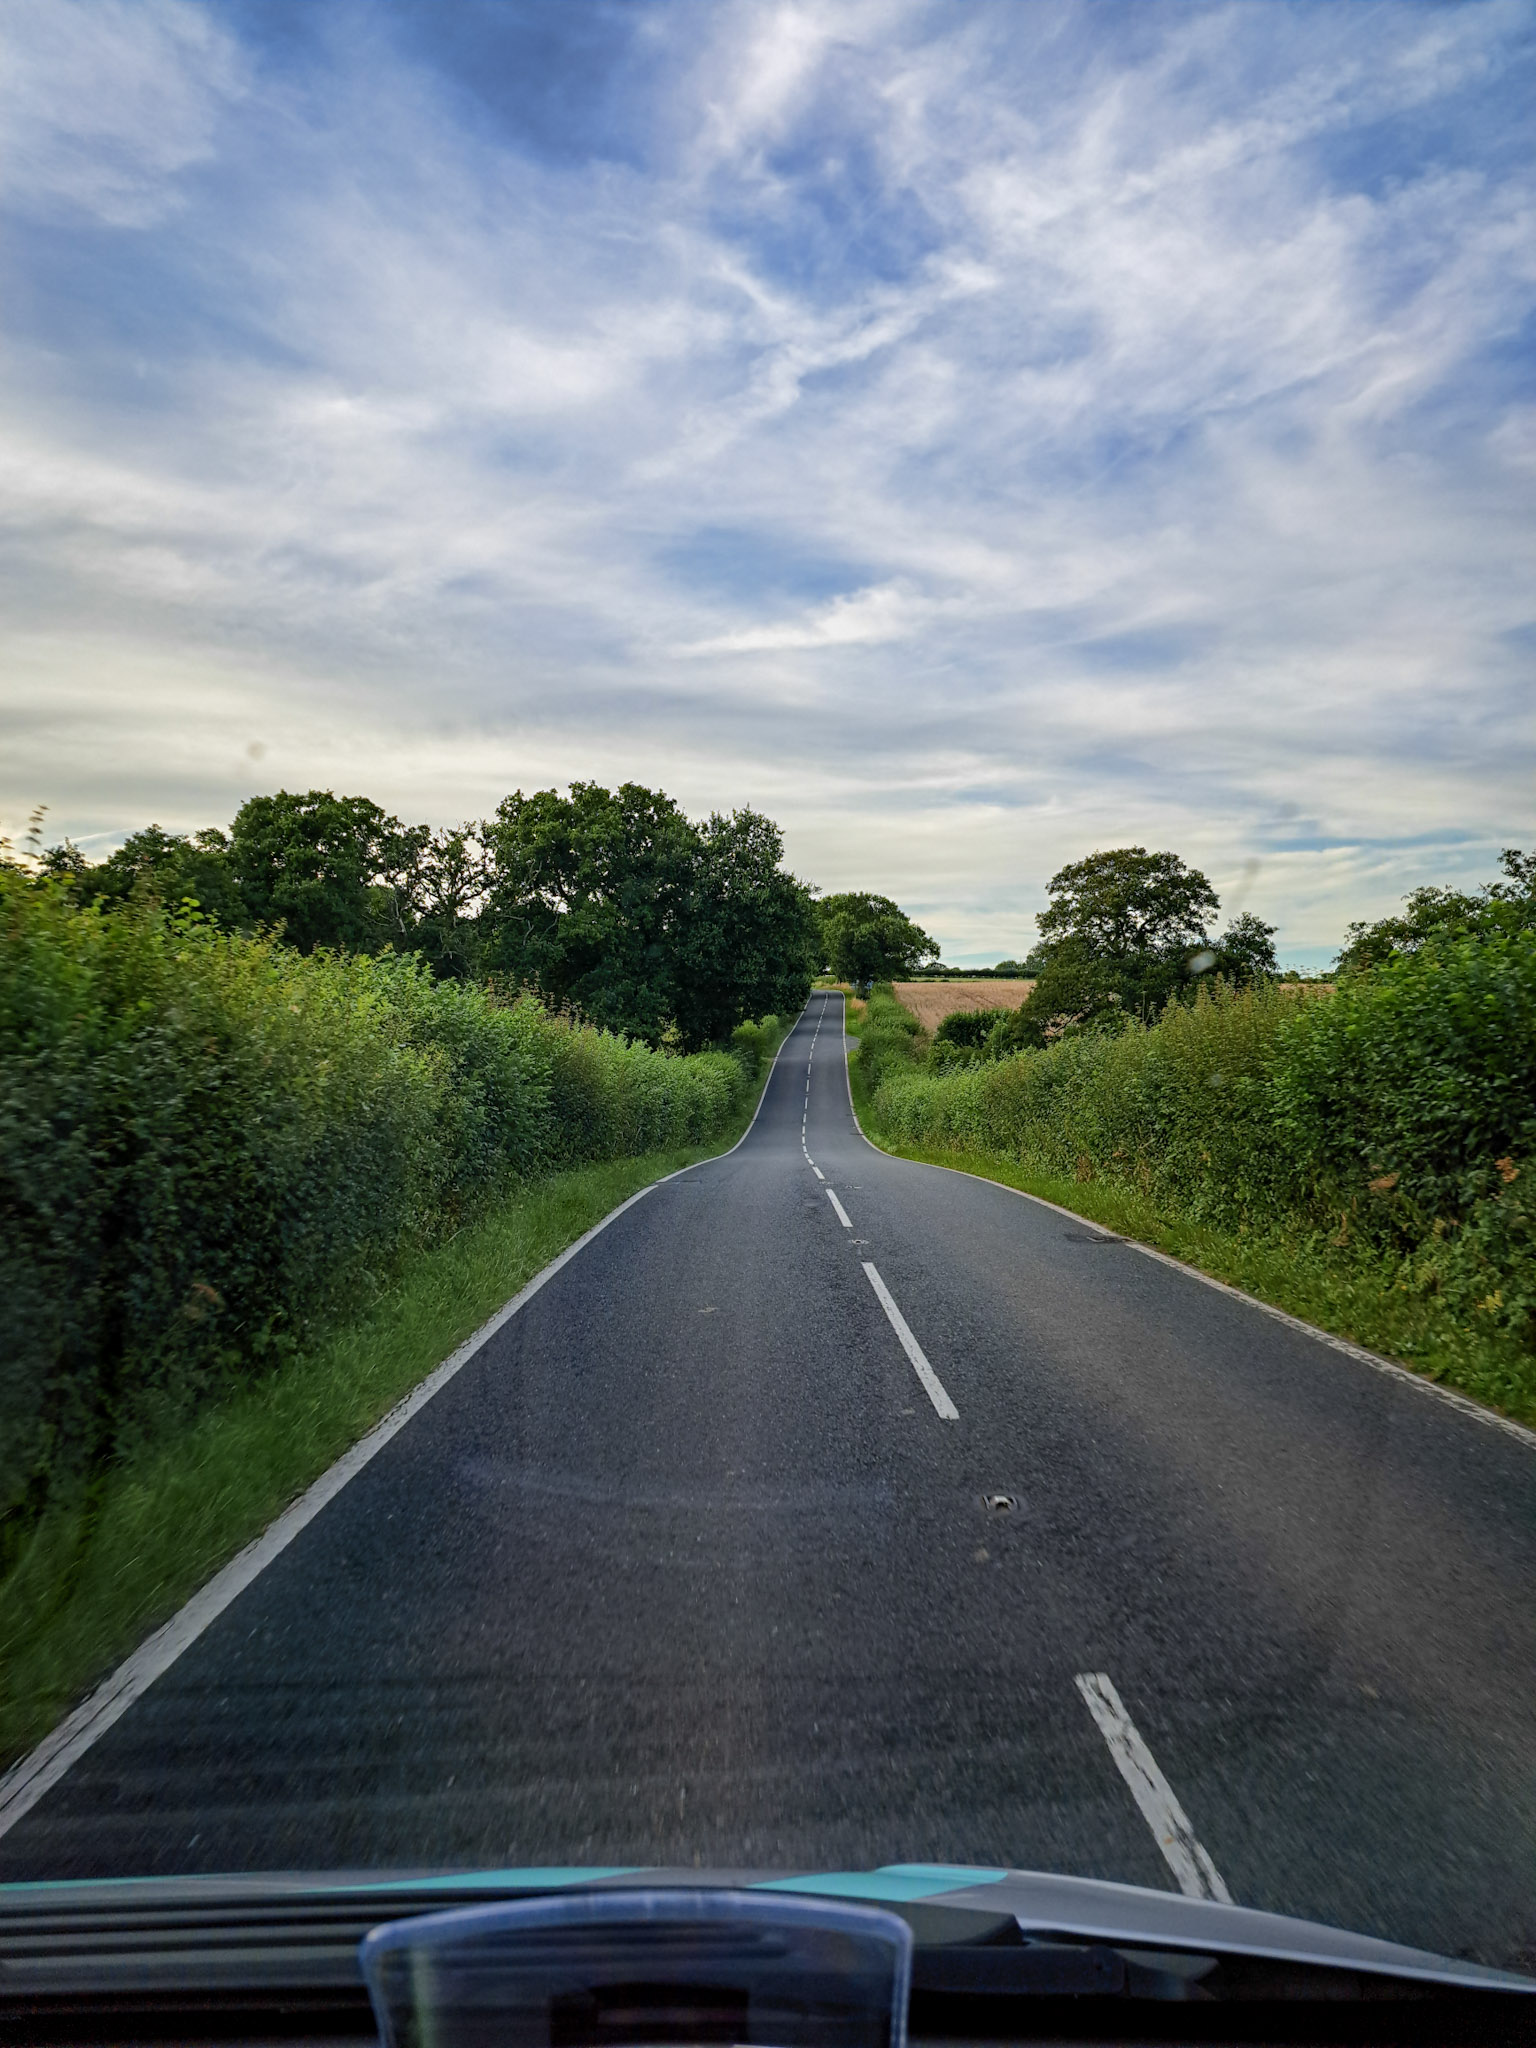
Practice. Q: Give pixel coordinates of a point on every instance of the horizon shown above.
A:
(969, 436)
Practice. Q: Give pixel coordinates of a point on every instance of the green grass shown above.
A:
(1341, 1290)
(96, 1576)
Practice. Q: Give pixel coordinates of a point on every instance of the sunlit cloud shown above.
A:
(973, 435)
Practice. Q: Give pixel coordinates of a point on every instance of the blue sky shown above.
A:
(973, 434)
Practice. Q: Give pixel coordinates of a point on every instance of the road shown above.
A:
(689, 1564)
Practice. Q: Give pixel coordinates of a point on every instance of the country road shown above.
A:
(828, 1510)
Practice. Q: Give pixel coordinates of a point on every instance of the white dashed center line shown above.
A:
(842, 1214)
(1197, 1875)
(946, 1408)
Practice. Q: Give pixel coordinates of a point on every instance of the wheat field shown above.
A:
(931, 1001)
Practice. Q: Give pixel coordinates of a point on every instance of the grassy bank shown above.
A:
(100, 1571)
(1097, 1121)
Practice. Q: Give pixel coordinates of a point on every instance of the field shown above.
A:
(932, 1001)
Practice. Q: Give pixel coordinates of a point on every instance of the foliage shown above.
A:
(1435, 913)
(1128, 902)
(169, 867)
(747, 940)
(1118, 934)
(967, 1029)
(207, 1139)
(1074, 991)
(890, 1037)
(1245, 950)
(864, 939)
(612, 901)
(331, 870)
(1398, 1115)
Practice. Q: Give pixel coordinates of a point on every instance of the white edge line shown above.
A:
(1171, 1828)
(37, 1773)
(1358, 1352)
(947, 1410)
(842, 1214)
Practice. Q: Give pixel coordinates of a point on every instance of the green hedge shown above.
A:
(208, 1143)
(1397, 1114)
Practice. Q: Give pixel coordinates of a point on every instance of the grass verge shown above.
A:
(1344, 1292)
(98, 1575)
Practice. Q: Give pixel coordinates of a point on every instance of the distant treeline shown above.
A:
(611, 902)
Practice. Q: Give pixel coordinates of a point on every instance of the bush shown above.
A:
(887, 1036)
(1398, 1113)
(209, 1141)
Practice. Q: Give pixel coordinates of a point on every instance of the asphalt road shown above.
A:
(688, 1566)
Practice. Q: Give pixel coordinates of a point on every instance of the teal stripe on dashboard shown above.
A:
(895, 1883)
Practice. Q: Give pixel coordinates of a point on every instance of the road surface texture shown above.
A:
(701, 1559)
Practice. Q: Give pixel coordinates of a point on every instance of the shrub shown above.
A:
(1399, 1112)
(888, 1035)
(208, 1141)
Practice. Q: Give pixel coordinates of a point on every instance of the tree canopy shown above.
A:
(611, 901)
(1128, 904)
(1246, 949)
(1434, 913)
(614, 902)
(864, 938)
(332, 870)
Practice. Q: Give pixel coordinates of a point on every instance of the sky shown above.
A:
(972, 434)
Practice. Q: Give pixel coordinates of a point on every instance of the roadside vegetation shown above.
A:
(252, 1191)
(1362, 1154)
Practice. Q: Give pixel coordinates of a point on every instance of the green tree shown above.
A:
(589, 896)
(445, 896)
(1123, 922)
(746, 943)
(615, 902)
(1074, 991)
(1432, 914)
(1129, 903)
(1246, 949)
(332, 870)
(865, 938)
(168, 868)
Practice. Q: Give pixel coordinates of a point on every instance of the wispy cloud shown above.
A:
(974, 435)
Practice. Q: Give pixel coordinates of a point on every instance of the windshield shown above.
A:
(768, 1018)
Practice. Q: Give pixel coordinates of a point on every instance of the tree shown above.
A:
(1073, 992)
(746, 943)
(614, 902)
(1129, 902)
(446, 896)
(865, 938)
(1432, 913)
(1246, 949)
(168, 867)
(332, 870)
(1126, 922)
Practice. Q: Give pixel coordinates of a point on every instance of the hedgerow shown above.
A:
(1396, 1115)
(210, 1142)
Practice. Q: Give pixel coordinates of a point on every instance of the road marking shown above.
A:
(817, 1170)
(1197, 1875)
(925, 1372)
(842, 1214)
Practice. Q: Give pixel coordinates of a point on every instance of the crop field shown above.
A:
(932, 1001)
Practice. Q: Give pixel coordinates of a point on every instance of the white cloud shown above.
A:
(102, 105)
(970, 442)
